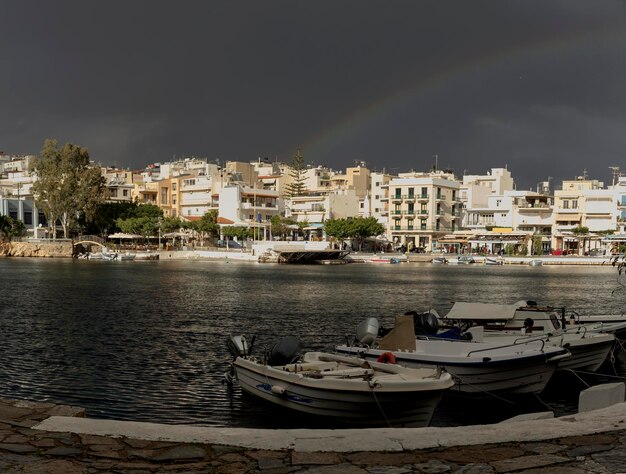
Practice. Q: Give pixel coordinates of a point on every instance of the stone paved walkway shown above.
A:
(24, 449)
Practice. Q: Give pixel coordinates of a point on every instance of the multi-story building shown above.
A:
(475, 193)
(119, 184)
(423, 207)
(241, 205)
(376, 202)
(582, 203)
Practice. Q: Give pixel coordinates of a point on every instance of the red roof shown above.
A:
(223, 220)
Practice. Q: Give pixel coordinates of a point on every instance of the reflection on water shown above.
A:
(146, 340)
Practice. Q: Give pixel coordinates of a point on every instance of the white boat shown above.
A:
(125, 257)
(505, 324)
(462, 260)
(439, 260)
(376, 259)
(346, 390)
(494, 261)
(106, 256)
(535, 262)
(477, 367)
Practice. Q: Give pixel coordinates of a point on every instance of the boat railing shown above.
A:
(543, 344)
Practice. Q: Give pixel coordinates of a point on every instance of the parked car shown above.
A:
(595, 252)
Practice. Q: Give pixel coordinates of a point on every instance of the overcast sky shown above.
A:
(538, 86)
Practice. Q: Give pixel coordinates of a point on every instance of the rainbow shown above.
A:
(355, 122)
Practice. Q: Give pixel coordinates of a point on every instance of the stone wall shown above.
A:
(42, 248)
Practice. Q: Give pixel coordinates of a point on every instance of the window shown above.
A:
(125, 192)
(438, 225)
(438, 193)
(398, 193)
(438, 208)
(411, 192)
(574, 203)
(565, 204)
(424, 192)
(454, 195)
(422, 224)
(173, 186)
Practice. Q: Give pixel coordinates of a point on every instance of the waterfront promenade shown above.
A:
(48, 438)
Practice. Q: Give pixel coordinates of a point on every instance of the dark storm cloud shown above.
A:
(535, 85)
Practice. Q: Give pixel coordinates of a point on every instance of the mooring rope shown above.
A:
(372, 385)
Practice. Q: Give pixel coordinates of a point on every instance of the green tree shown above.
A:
(10, 228)
(582, 234)
(337, 228)
(242, 233)
(365, 227)
(282, 226)
(297, 170)
(357, 228)
(207, 226)
(103, 222)
(537, 245)
(66, 186)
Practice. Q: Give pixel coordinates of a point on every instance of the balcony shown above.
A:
(396, 198)
(422, 197)
(408, 197)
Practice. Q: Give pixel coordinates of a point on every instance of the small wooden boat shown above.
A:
(347, 390)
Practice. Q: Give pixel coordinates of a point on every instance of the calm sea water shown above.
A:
(146, 340)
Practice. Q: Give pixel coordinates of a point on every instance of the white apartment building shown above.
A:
(475, 193)
(423, 207)
(376, 202)
(240, 205)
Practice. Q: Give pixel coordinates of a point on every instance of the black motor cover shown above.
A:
(286, 351)
(424, 323)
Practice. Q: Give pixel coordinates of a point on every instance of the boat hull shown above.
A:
(361, 405)
(528, 374)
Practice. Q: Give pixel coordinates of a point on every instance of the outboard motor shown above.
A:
(366, 331)
(424, 323)
(238, 346)
(286, 351)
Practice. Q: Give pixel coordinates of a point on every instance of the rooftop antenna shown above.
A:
(615, 173)
(436, 157)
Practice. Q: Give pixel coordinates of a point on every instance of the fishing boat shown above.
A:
(535, 262)
(589, 345)
(439, 260)
(477, 367)
(494, 261)
(346, 390)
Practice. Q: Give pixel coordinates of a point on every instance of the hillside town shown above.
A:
(421, 211)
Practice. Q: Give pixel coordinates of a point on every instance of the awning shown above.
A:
(477, 311)
(122, 235)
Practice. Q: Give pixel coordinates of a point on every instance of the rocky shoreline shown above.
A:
(28, 444)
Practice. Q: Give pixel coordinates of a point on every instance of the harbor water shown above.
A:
(146, 341)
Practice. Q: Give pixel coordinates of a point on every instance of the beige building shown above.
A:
(423, 207)
(582, 203)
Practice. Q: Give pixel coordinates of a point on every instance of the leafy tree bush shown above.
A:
(10, 228)
(67, 186)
